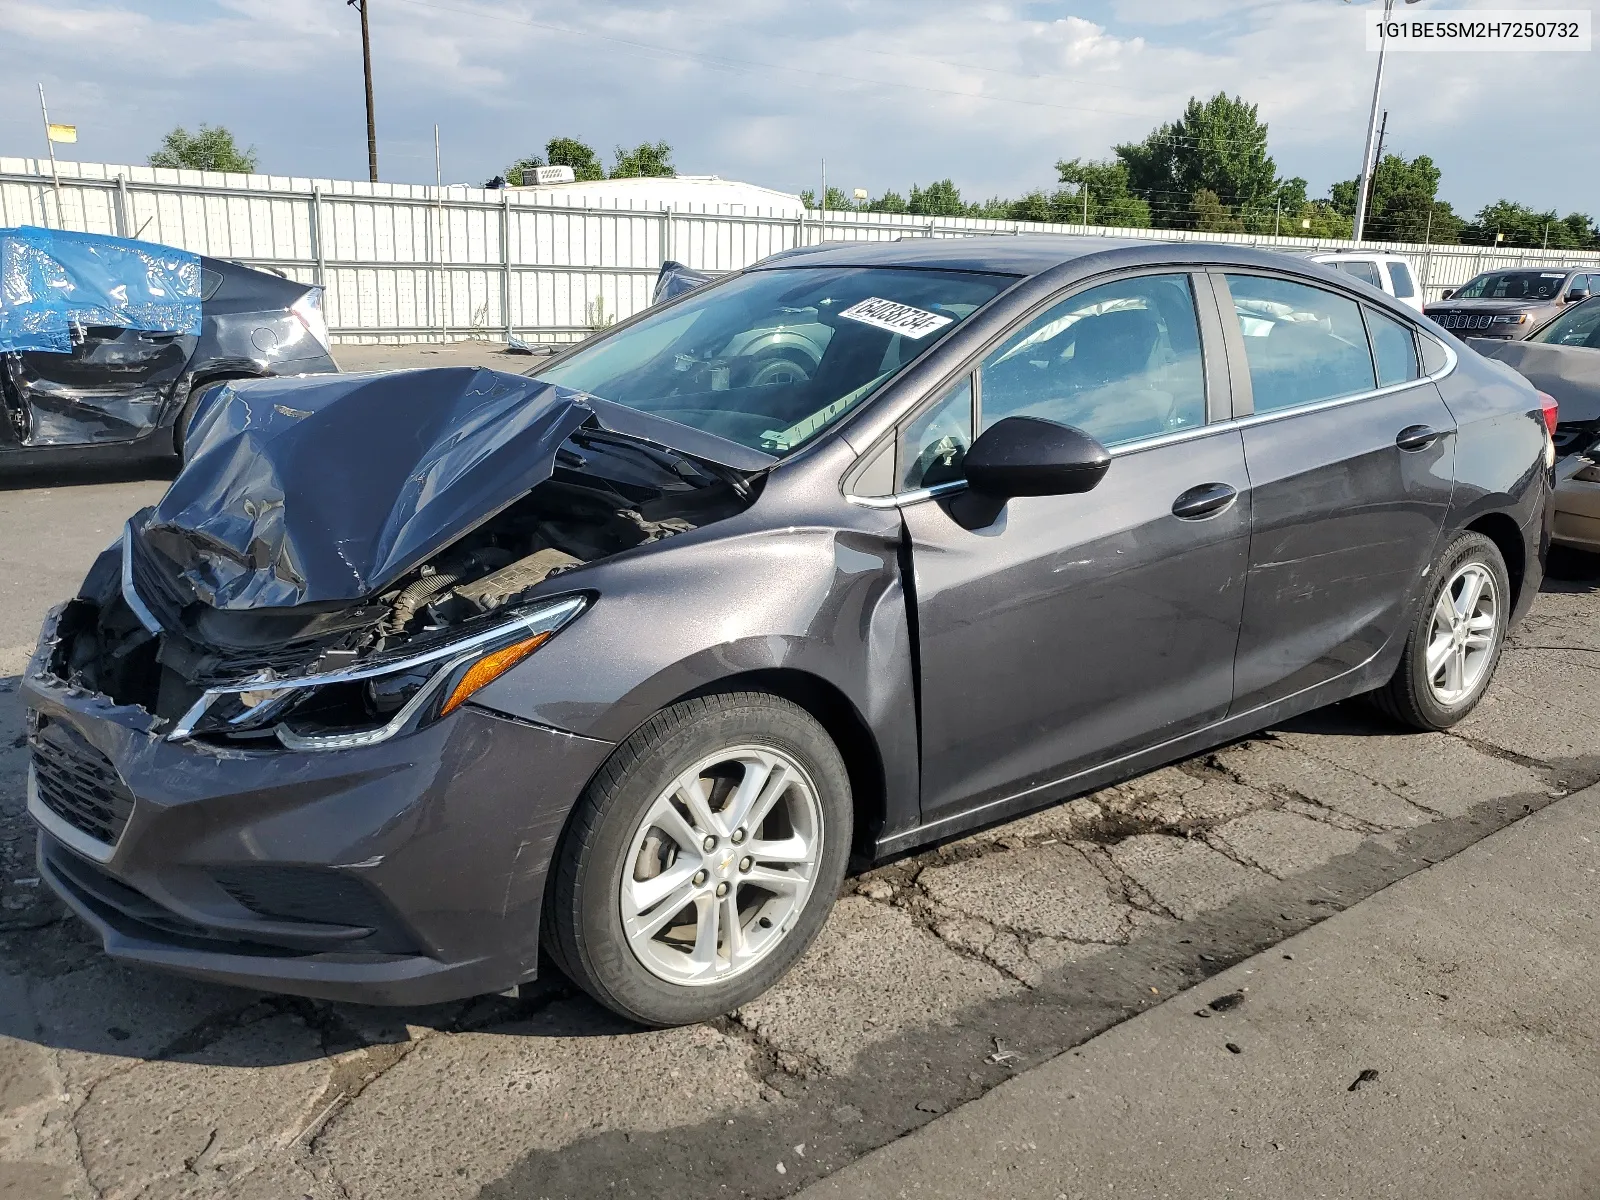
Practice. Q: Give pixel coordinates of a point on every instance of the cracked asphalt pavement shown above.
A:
(938, 976)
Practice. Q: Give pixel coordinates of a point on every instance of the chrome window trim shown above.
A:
(921, 495)
(129, 594)
(70, 836)
(915, 496)
(542, 620)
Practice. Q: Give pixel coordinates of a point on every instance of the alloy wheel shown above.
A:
(721, 865)
(1461, 638)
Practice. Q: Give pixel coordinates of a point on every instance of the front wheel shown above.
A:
(1455, 641)
(702, 860)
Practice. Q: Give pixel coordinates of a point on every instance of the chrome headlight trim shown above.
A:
(547, 619)
(130, 594)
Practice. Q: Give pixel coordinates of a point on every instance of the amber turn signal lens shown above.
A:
(489, 668)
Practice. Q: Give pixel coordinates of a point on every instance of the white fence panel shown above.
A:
(403, 262)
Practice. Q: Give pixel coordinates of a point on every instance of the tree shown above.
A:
(558, 152)
(210, 149)
(570, 152)
(1522, 226)
(644, 160)
(837, 200)
(890, 202)
(1404, 203)
(1110, 202)
(940, 199)
(1208, 213)
(1219, 146)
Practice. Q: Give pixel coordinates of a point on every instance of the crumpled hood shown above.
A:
(327, 489)
(1569, 373)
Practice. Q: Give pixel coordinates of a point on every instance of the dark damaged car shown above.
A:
(410, 676)
(108, 344)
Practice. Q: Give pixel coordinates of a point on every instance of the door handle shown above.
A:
(1416, 437)
(157, 336)
(1207, 500)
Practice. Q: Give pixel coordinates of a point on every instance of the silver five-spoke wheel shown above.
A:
(1461, 640)
(720, 865)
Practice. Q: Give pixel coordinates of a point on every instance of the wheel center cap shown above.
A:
(722, 868)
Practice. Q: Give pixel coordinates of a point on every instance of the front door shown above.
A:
(1077, 628)
(113, 387)
(1352, 461)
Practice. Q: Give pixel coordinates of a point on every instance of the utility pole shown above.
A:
(1085, 204)
(366, 69)
(1377, 158)
(1277, 216)
(50, 142)
(822, 225)
(1372, 122)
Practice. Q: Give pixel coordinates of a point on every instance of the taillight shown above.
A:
(1547, 403)
(308, 311)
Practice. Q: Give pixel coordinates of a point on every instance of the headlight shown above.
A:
(1515, 319)
(373, 701)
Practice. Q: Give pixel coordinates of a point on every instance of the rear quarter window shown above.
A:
(1400, 277)
(1303, 344)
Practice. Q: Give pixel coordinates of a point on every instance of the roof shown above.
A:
(1023, 254)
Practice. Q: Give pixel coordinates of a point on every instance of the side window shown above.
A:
(1365, 271)
(934, 443)
(1400, 277)
(1120, 362)
(1303, 344)
(1393, 346)
(1433, 355)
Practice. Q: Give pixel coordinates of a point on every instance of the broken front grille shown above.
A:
(79, 784)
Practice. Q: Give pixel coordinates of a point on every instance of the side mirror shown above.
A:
(1029, 456)
(1447, 293)
(1577, 294)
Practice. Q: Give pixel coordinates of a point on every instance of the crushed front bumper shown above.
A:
(409, 872)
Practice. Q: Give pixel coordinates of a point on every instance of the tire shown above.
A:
(1433, 700)
(635, 835)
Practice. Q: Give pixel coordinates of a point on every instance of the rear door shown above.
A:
(1351, 457)
(113, 387)
(1073, 629)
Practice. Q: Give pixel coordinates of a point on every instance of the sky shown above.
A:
(889, 92)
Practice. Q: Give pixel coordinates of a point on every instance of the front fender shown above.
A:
(684, 616)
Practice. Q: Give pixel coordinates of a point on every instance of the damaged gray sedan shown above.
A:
(411, 677)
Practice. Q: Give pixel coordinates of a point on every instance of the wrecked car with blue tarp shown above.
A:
(107, 344)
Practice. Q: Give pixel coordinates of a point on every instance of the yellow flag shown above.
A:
(63, 133)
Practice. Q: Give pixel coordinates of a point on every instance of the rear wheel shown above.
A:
(702, 860)
(1455, 640)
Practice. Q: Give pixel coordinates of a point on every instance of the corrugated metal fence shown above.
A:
(404, 262)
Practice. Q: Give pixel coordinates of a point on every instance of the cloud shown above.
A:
(989, 94)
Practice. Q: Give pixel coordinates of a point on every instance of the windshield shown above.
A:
(771, 358)
(1578, 326)
(1513, 285)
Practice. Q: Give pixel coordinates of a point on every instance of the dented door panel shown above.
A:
(114, 387)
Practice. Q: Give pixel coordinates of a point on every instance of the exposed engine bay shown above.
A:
(142, 633)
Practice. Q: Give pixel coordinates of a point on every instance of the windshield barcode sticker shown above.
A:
(895, 317)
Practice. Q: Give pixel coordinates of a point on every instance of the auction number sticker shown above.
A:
(1480, 29)
(896, 317)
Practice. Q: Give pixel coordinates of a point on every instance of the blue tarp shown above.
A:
(51, 279)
